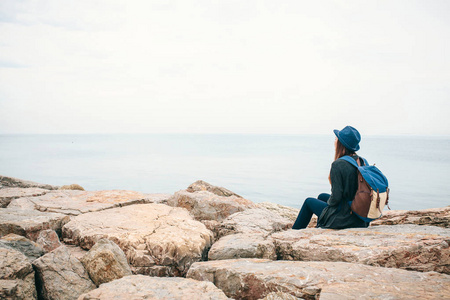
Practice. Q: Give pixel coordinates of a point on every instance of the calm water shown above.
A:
(279, 169)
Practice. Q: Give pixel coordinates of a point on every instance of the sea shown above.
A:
(283, 169)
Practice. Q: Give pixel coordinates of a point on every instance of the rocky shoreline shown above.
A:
(206, 242)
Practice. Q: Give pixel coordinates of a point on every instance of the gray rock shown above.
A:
(75, 202)
(16, 276)
(19, 183)
(139, 287)
(204, 205)
(72, 187)
(48, 240)
(29, 223)
(433, 216)
(412, 247)
(61, 276)
(29, 248)
(279, 296)
(106, 262)
(157, 239)
(8, 194)
(255, 279)
(201, 185)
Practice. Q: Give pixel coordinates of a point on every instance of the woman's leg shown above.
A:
(324, 197)
(310, 206)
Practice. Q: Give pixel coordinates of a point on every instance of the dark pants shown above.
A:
(310, 206)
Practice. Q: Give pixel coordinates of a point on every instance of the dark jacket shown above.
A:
(344, 183)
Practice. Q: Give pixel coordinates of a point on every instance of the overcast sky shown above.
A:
(228, 66)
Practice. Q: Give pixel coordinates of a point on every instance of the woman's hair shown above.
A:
(341, 150)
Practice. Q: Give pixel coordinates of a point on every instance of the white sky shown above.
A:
(225, 66)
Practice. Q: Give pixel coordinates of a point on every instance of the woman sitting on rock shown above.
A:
(333, 210)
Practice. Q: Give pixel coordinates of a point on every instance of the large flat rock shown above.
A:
(412, 247)
(8, 194)
(139, 287)
(157, 239)
(256, 278)
(75, 202)
(29, 223)
(433, 216)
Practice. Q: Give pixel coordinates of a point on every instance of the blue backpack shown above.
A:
(373, 191)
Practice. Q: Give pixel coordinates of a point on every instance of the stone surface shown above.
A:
(29, 223)
(16, 276)
(59, 275)
(19, 183)
(205, 205)
(433, 216)
(157, 239)
(139, 287)
(48, 240)
(28, 248)
(201, 185)
(281, 210)
(8, 194)
(255, 279)
(73, 202)
(105, 262)
(242, 245)
(280, 296)
(412, 247)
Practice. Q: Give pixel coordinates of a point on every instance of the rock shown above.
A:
(73, 202)
(138, 287)
(256, 220)
(281, 210)
(72, 187)
(205, 205)
(243, 246)
(76, 251)
(433, 216)
(16, 276)
(105, 262)
(28, 248)
(279, 296)
(411, 247)
(59, 275)
(48, 240)
(157, 239)
(19, 183)
(8, 194)
(255, 279)
(201, 185)
(246, 234)
(29, 223)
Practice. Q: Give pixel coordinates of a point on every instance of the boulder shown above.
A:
(157, 239)
(281, 210)
(246, 234)
(105, 262)
(433, 216)
(28, 248)
(74, 202)
(256, 278)
(8, 194)
(19, 183)
(201, 185)
(48, 240)
(138, 287)
(29, 223)
(412, 247)
(59, 275)
(243, 245)
(204, 205)
(16, 276)
(280, 296)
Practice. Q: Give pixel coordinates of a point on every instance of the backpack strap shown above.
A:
(353, 162)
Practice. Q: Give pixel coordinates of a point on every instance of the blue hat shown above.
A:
(349, 137)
